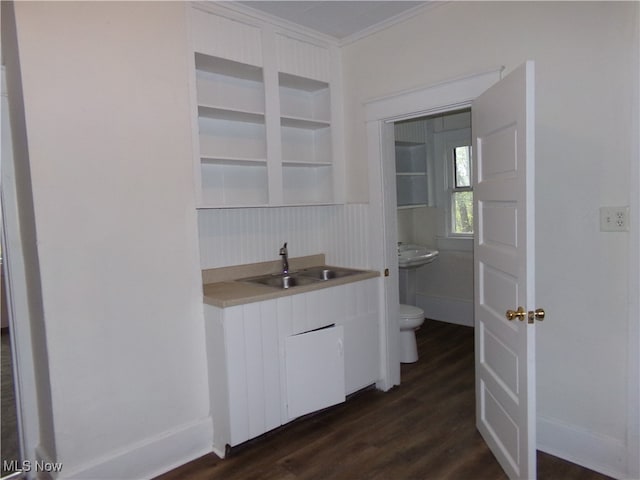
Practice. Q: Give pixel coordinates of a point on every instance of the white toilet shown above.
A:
(410, 320)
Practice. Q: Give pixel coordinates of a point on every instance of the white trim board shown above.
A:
(444, 96)
(142, 460)
(446, 309)
(633, 396)
(596, 452)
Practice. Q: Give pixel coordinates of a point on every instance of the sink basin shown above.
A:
(327, 273)
(282, 281)
(303, 277)
(413, 256)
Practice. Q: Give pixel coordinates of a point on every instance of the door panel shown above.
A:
(503, 141)
(314, 370)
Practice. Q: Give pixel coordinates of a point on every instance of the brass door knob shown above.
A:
(537, 314)
(520, 314)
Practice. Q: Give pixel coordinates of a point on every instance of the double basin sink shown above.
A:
(306, 276)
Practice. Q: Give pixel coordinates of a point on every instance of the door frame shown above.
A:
(18, 302)
(380, 113)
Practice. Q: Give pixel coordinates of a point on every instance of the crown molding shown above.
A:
(259, 17)
(391, 21)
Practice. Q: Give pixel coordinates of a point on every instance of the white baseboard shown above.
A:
(151, 457)
(601, 453)
(446, 309)
(43, 458)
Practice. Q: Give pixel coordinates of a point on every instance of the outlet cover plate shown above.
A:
(614, 219)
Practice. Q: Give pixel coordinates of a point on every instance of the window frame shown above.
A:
(450, 185)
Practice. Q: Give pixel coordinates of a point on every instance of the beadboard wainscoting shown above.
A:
(249, 235)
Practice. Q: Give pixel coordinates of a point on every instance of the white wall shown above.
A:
(109, 144)
(586, 55)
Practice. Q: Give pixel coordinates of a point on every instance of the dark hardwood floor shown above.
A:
(423, 429)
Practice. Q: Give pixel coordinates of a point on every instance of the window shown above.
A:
(461, 192)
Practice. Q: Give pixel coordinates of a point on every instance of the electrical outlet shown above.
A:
(614, 219)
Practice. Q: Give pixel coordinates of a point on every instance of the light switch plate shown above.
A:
(614, 219)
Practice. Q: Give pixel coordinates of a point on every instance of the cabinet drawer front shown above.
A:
(310, 311)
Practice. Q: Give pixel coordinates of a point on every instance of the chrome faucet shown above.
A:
(285, 259)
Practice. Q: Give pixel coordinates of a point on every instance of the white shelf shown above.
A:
(296, 82)
(304, 102)
(416, 205)
(227, 85)
(233, 161)
(232, 115)
(228, 68)
(304, 123)
(301, 163)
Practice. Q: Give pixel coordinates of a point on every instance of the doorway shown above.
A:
(381, 114)
(435, 211)
(503, 140)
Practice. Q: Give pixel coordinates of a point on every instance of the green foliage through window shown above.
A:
(462, 212)
(461, 194)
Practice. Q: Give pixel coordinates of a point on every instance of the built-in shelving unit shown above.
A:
(265, 121)
(232, 135)
(305, 121)
(411, 174)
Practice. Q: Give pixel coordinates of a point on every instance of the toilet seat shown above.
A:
(409, 311)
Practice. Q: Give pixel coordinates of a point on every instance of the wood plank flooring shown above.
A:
(423, 429)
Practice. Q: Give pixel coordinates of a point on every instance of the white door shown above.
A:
(503, 145)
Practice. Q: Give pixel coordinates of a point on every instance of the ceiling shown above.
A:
(338, 19)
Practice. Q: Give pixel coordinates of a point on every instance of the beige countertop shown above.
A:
(223, 287)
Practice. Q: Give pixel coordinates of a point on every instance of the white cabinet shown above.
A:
(272, 361)
(243, 368)
(314, 370)
(264, 112)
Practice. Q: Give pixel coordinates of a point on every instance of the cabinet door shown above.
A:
(314, 370)
(251, 347)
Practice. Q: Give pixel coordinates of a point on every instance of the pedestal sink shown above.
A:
(413, 256)
(410, 257)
